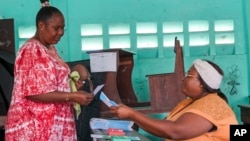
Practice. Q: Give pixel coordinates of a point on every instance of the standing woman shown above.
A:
(42, 105)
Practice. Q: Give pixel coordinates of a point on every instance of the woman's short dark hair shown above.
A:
(46, 13)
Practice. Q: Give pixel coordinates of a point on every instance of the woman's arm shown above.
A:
(80, 97)
(189, 125)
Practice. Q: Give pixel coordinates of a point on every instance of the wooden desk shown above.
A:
(245, 113)
(128, 133)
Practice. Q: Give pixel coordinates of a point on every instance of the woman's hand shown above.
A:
(122, 111)
(82, 97)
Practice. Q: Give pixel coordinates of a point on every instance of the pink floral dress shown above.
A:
(39, 71)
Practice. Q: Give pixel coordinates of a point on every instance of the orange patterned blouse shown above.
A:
(212, 108)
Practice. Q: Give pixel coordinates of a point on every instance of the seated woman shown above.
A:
(203, 116)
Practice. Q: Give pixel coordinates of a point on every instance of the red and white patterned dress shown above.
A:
(39, 71)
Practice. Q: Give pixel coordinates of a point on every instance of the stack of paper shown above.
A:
(105, 124)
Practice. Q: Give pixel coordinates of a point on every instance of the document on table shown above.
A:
(106, 100)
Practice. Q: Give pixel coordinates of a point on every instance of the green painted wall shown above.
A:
(233, 58)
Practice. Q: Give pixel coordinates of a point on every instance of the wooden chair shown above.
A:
(165, 89)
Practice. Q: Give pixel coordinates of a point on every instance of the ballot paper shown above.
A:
(106, 100)
(98, 88)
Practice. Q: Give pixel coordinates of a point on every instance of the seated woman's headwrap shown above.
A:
(208, 73)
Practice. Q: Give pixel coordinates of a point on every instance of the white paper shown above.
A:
(98, 88)
(103, 62)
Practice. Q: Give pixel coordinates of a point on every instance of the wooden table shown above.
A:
(128, 133)
(245, 113)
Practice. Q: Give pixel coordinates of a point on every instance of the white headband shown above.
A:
(208, 73)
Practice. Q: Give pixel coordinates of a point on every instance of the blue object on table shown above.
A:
(105, 124)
